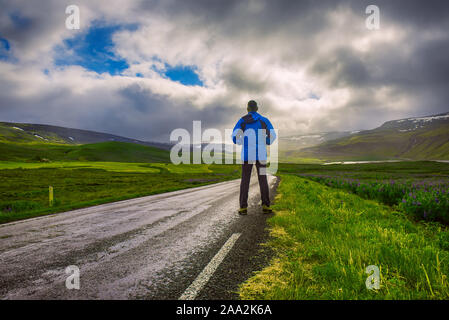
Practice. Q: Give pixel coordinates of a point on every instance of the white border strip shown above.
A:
(196, 286)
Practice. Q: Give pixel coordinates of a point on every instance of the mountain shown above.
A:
(416, 138)
(296, 142)
(39, 142)
(42, 133)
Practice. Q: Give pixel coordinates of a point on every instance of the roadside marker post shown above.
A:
(50, 195)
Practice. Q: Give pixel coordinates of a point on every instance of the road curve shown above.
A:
(145, 248)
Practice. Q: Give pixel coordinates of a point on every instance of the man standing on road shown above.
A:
(255, 132)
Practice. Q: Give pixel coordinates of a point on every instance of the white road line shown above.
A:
(193, 290)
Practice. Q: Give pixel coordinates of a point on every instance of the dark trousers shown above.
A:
(244, 184)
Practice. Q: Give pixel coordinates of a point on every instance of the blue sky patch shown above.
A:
(20, 20)
(4, 44)
(187, 75)
(93, 50)
(4, 49)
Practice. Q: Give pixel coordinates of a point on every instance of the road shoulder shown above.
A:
(249, 254)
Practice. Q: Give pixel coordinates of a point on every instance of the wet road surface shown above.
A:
(152, 247)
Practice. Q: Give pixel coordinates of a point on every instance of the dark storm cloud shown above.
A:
(238, 77)
(426, 65)
(415, 13)
(27, 28)
(416, 67)
(343, 68)
(251, 21)
(421, 71)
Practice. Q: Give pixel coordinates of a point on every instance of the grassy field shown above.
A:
(419, 188)
(111, 166)
(324, 239)
(384, 170)
(24, 186)
(104, 151)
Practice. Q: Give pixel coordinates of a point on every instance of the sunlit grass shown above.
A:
(110, 166)
(325, 238)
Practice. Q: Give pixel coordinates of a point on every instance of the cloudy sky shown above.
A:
(143, 68)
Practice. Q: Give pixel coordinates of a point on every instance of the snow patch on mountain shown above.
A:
(38, 136)
(425, 119)
(313, 136)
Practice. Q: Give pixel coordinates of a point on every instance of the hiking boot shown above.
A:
(243, 211)
(266, 209)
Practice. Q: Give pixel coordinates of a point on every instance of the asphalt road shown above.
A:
(152, 247)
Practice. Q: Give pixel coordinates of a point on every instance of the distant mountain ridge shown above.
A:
(294, 142)
(409, 124)
(417, 138)
(28, 132)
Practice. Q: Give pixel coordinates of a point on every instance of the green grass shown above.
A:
(325, 238)
(24, 192)
(111, 166)
(419, 188)
(108, 166)
(104, 151)
(369, 171)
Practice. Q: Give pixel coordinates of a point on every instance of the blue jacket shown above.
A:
(253, 149)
